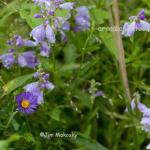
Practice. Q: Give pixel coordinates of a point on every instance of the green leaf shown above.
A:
(15, 83)
(87, 143)
(109, 42)
(27, 12)
(99, 15)
(5, 143)
(55, 114)
(70, 53)
(61, 13)
(68, 67)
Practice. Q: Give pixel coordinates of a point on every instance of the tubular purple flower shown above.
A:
(47, 85)
(38, 16)
(36, 75)
(45, 50)
(83, 11)
(45, 76)
(137, 24)
(35, 90)
(50, 35)
(28, 59)
(38, 33)
(19, 41)
(129, 29)
(142, 14)
(29, 43)
(67, 5)
(99, 93)
(82, 18)
(145, 121)
(43, 31)
(148, 146)
(10, 42)
(7, 60)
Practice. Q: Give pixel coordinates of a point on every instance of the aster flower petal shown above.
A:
(27, 102)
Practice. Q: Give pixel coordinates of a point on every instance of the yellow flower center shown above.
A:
(25, 103)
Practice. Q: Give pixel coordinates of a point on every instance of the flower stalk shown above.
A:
(122, 66)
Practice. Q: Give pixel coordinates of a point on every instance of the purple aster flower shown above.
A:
(7, 60)
(27, 102)
(34, 88)
(28, 59)
(67, 5)
(45, 50)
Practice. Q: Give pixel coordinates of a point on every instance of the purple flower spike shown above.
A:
(27, 102)
(7, 60)
(28, 59)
